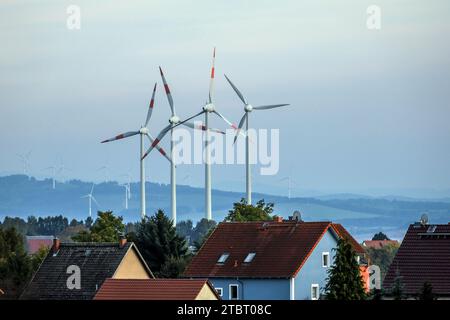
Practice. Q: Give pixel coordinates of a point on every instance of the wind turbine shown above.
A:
(174, 120)
(105, 169)
(247, 109)
(290, 183)
(25, 158)
(53, 170)
(91, 198)
(143, 131)
(208, 108)
(127, 192)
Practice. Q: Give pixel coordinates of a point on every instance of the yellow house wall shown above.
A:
(131, 267)
(206, 293)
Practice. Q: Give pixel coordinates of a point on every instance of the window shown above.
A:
(223, 257)
(249, 257)
(325, 259)
(234, 290)
(314, 292)
(219, 291)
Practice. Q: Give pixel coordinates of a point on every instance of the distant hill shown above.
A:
(22, 196)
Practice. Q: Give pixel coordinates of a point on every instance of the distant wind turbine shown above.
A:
(25, 158)
(127, 192)
(290, 183)
(143, 131)
(91, 198)
(247, 109)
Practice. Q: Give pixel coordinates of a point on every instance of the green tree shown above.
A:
(162, 248)
(397, 290)
(380, 236)
(426, 293)
(106, 228)
(246, 212)
(15, 264)
(383, 257)
(344, 280)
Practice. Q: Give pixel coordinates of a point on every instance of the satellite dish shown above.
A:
(297, 215)
(424, 219)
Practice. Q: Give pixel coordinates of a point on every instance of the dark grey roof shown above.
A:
(97, 262)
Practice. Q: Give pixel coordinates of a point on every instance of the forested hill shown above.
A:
(22, 196)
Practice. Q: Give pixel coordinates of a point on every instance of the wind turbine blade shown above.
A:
(167, 89)
(161, 150)
(225, 119)
(201, 127)
(236, 90)
(121, 136)
(92, 189)
(211, 81)
(158, 139)
(150, 107)
(86, 196)
(241, 123)
(92, 197)
(270, 106)
(188, 119)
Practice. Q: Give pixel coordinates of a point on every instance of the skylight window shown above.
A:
(223, 257)
(431, 229)
(249, 257)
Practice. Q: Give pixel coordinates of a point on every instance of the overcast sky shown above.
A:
(369, 112)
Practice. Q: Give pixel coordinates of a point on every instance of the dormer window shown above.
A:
(249, 257)
(223, 258)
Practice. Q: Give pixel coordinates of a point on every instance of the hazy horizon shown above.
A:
(369, 109)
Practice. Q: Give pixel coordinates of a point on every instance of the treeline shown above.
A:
(45, 226)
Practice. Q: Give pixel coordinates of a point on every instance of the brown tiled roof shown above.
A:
(281, 249)
(151, 289)
(378, 244)
(342, 232)
(422, 256)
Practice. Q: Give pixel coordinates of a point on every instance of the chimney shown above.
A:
(277, 219)
(56, 244)
(122, 241)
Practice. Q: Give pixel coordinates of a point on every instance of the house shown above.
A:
(269, 260)
(423, 256)
(156, 289)
(78, 270)
(34, 243)
(379, 244)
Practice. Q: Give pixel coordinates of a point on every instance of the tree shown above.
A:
(383, 257)
(106, 228)
(344, 280)
(397, 287)
(160, 245)
(246, 212)
(426, 293)
(15, 264)
(380, 236)
(88, 223)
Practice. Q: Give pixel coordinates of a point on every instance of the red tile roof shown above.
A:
(422, 256)
(378, 244)
(34, 243)
(151, 289)
(342, 232)
(281, 248)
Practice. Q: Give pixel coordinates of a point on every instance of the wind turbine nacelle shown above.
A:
(143, 130)
(248, 107)
(174, 119)
(209, 107)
